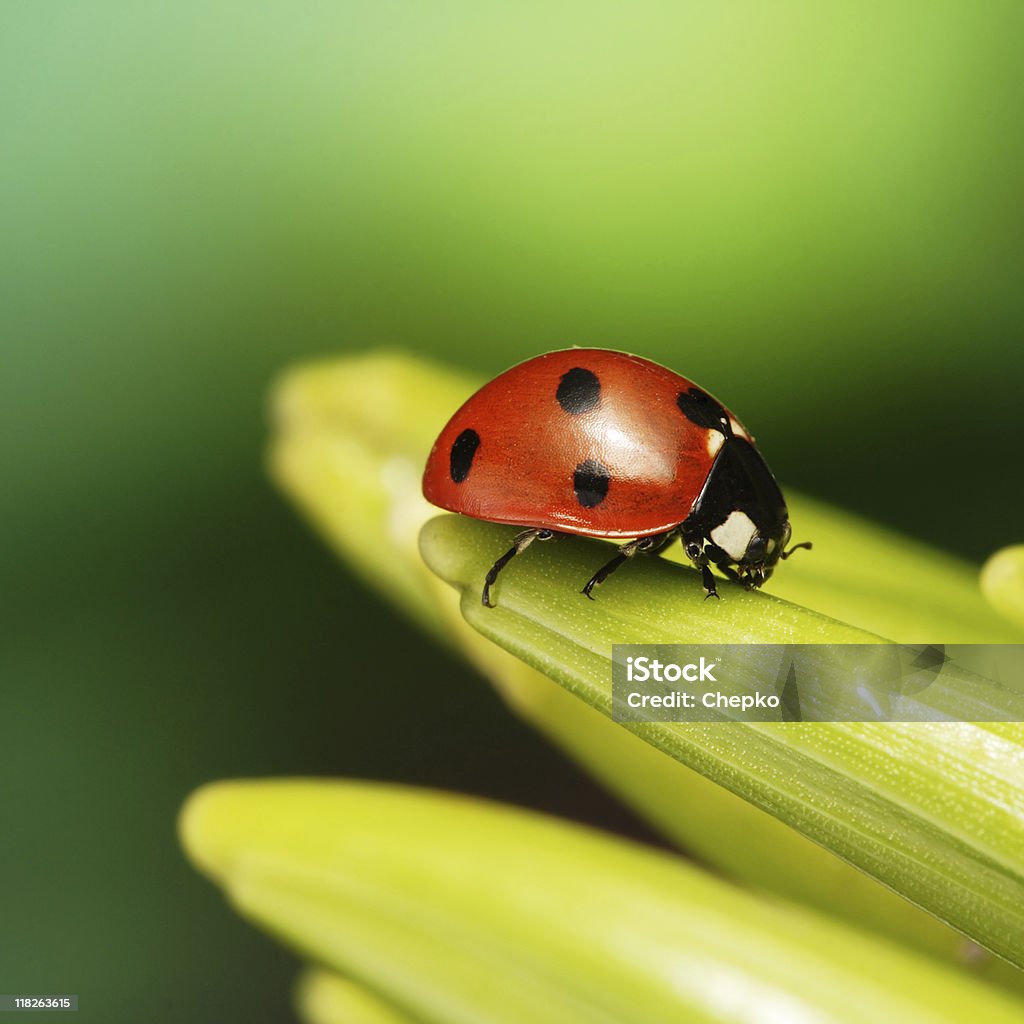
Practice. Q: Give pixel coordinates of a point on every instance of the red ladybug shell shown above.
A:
(585, 441)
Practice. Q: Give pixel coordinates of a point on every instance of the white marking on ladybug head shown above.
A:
(734, 534)
(737, 429)
(715, 441)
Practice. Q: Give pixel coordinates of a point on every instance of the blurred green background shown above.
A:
(813, 210)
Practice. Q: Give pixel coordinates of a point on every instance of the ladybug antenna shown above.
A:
(796, 547)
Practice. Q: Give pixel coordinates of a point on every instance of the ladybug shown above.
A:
(605, 444)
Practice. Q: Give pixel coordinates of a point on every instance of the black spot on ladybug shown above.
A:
(578, 391)
(590, 482)
(700, 408)
(463, 450)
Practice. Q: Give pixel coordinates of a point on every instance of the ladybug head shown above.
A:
(740, 517)
(763, 552)
(753, 548)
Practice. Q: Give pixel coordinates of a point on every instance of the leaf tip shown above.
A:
(1002, 582)
(205, 829)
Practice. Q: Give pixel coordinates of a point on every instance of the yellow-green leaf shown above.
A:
(325, 998)
(932, 810)
(464, 911)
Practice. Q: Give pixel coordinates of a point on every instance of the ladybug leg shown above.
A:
(708, 579)
(522, 542)
(728, 570)
(721, 560)
(652, 544)
(695, 552)
(625, 552)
